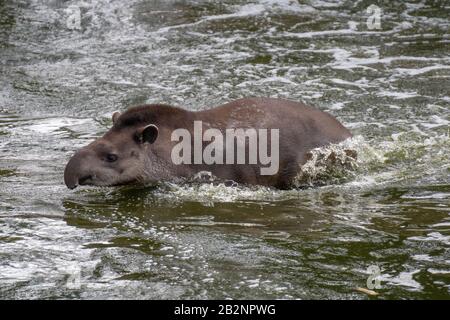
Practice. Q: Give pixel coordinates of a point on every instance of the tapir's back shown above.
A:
(298, 123)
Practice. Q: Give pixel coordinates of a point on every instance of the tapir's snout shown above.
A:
(76, 172)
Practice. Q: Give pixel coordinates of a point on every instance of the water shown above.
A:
(60, 81)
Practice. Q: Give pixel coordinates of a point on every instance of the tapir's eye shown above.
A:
(111, 157)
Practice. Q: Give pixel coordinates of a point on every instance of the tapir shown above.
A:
(153, 143)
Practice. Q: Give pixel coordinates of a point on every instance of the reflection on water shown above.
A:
(59, 84)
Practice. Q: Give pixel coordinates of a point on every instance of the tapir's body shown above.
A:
(138, 148)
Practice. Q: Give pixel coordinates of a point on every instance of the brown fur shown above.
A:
(302, 128)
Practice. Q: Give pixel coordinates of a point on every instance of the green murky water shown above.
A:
(61, 78)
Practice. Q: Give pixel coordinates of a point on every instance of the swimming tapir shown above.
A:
(258, 141)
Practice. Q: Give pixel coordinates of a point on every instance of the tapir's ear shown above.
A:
(147, 134)
(115, 116)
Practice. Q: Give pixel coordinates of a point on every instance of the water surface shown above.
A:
(60, 81)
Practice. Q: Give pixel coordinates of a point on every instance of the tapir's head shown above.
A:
(119, 157)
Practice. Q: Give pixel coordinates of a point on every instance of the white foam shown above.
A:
(404, 279)
(422, 257)
(397, 94)
(49, 125)
(337, 106)
(359, 84)
(287, 5)
(349, 31)
(343, 58)
(442, 224)
(431, 237)
(415, 72)
(437, 195)
(438, 271)
(436, 122)
(242, 11)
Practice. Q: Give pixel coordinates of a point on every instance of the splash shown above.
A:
(329, 164)
(353, 163)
